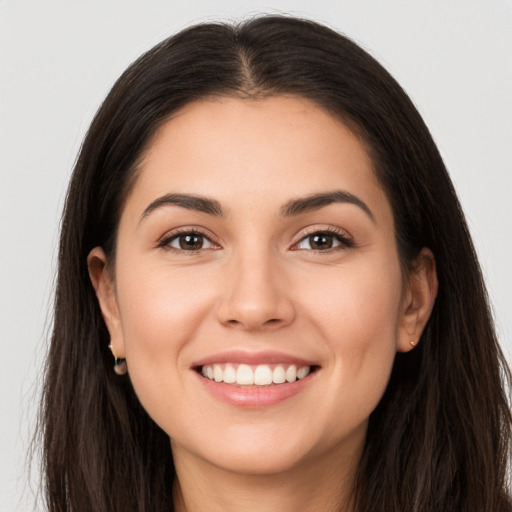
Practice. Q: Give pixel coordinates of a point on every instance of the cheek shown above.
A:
(357, 316)
(356, 306)
(163, 306)
(162, 309)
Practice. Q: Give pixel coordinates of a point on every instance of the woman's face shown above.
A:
(257, 244)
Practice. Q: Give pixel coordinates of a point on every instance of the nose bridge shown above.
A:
(255, 293)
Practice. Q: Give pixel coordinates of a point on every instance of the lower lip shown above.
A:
(255, 397)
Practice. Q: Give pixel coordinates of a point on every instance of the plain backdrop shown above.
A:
(59, 59)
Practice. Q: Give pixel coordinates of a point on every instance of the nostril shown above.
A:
(255, 312)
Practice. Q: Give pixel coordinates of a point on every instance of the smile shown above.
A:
(254, 380)
(255, 375)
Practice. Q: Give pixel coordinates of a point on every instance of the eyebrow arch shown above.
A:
(190, 202)
(317, 201)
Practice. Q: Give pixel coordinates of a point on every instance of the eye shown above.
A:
(188, 241)
(323, 241)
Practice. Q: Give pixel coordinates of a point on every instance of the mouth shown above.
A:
(254, 380)
(251, 375)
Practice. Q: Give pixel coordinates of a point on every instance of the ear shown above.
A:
(418, 301)
(105, 292)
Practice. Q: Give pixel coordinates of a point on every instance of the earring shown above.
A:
(119, 363)
(412, 342)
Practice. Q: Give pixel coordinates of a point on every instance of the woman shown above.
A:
(262, 239)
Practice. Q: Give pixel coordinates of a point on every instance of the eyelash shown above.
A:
(345, 242)
(167, 240)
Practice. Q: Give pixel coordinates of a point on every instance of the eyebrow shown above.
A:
(317, 201)
(290, 209)
(190, 202)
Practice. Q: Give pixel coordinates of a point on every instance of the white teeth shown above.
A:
(302, 372)
(278, 375)
(229, 374)
(244, 375)
(291, 373)
(217, 373)
(261, 375)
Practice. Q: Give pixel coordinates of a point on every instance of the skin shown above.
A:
(258, 285)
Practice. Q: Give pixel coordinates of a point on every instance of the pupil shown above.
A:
(320, 241)
(191, 242)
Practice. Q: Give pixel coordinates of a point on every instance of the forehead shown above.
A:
(245, 152)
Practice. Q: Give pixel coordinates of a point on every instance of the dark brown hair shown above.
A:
(438, 440)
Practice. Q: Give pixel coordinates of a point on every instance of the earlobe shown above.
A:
(105, 292)
(418, 301)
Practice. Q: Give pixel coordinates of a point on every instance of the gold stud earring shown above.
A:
(120, 366)
(412, 342)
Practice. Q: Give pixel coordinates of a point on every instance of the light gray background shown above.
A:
(58, 60)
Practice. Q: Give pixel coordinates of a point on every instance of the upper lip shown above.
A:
(253, 358)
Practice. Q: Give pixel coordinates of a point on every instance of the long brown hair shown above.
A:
(438, 440)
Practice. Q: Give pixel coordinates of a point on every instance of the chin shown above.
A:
(259, 462)
(251, 451)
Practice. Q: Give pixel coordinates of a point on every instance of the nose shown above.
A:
(255, 295)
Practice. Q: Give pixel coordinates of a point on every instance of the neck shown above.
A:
(323, 484)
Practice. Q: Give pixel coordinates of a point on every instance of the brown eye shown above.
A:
(320, 241)
(189, 242)
(323, 241)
